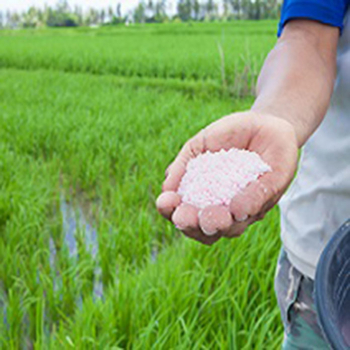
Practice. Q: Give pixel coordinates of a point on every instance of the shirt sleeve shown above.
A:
(330, 12)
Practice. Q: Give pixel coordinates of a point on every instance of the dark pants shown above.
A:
(295, 296)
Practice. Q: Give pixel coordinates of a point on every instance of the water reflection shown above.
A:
(74, 223)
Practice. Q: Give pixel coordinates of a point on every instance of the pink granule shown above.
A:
(215, 178)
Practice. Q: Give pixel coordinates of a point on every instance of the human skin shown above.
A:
(293, 93)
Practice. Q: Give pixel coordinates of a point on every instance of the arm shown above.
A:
(294, 90)
(297, 79)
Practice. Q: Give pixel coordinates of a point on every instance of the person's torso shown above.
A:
(318, 201)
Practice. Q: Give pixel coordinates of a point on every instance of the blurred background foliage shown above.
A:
(151, 11)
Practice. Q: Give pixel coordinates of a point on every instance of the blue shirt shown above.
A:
(330, 12)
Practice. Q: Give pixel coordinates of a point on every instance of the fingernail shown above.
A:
(209, 233)
(243, 218)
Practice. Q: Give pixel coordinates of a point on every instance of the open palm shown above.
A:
(271, 137)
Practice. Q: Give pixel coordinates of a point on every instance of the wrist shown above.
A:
(296, 129)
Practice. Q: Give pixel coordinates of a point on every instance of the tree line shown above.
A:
(150, 11)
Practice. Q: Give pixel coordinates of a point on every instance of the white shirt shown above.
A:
(318, 201)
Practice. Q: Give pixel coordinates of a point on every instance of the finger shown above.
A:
(167, 170)
(177, 169)
(185, 217)
(259, 195)
(167, 202)
(174, 173)
(201, 238)
(197, 235)
(214, 218)
(238, 228)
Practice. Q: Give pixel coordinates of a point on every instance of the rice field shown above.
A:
(89, 120)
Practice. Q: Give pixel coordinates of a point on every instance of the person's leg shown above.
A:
(295, 298)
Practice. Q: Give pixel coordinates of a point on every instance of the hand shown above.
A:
(274, 139)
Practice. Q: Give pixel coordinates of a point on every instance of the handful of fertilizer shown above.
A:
(216, 178)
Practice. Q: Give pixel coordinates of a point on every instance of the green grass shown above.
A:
(102, 143)
(225, 53)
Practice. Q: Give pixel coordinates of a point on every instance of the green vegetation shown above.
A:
(100, 142)
(146, 11)
(226, 55)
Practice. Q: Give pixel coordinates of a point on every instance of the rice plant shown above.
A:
(86, 261)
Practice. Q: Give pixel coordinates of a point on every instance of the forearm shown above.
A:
(297, 79)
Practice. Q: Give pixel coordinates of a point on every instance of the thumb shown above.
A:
(177, 168)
